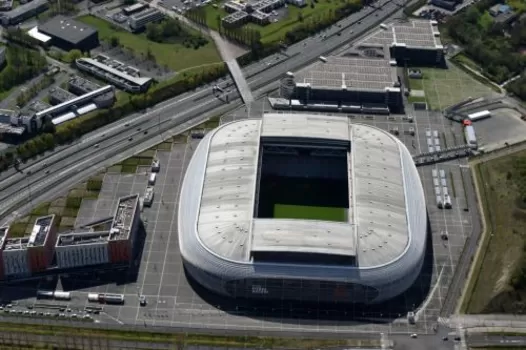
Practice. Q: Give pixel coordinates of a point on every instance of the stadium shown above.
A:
(305, 208)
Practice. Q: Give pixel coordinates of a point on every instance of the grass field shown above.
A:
(276, 31)
(285, 211)
(444, 87)
(175, 56)
(489, 289)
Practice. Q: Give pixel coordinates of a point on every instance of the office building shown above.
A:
(138, 21)
(116, 74)
(22, 257)
(112, 245)
(23, 12)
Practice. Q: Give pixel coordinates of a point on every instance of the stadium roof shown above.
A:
(350, 73)
(421, 34)
(66, 29)
(305, 126)
(377, 231)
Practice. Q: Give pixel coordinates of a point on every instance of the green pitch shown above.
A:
(284, 211)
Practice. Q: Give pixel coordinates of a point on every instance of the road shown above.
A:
(81, 159)
(480, 340)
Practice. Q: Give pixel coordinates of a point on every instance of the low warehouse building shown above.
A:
(69, 34)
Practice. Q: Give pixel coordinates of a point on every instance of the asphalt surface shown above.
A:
(67, 162)
(68, 165)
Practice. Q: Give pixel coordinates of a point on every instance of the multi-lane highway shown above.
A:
(119, 140)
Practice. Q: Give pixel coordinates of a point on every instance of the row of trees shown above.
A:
(319, 22)
(52, 137)
(518, 87)
(251, 37)
(22, 65)
(33, 90)
(171, 30)
(494, 46)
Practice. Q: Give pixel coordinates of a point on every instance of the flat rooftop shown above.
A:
(40, 231)
(22, 9)
(115, 228)
(16, 243)
(66, 29)
(423, 34)
(124, 217)
(376, 232)
(61, 94)
(350, 73)
(308, 126)
(96, 65)
(82, 238)
(3, 235)
(84, 84)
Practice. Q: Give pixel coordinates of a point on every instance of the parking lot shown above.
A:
(504, 125)
(175, 300)
(448, 228)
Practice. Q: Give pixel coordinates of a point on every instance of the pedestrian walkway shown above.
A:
(233, 67)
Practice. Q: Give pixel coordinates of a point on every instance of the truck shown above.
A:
(471, 138)
(447, 202)
(109, 298)
(152, 179)
(440, 203)
(156, 166)
(148, 196)
(62, 295)
(106, 298)
(45, 294)
(93, 297)
(479, 115)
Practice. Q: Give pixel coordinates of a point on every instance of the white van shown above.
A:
(152, 178)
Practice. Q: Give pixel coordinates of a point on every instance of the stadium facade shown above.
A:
(236, 239)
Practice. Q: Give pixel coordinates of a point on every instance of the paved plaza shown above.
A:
(176, 301)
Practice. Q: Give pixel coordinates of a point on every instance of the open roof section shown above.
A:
(377, 233)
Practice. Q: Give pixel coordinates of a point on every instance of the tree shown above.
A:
(115, 41)
(73, 55)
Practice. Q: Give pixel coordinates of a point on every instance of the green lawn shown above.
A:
(500, 182)
(444, 87)
(175, 56)
(284, 211)
(416, 84)
(276, 31)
